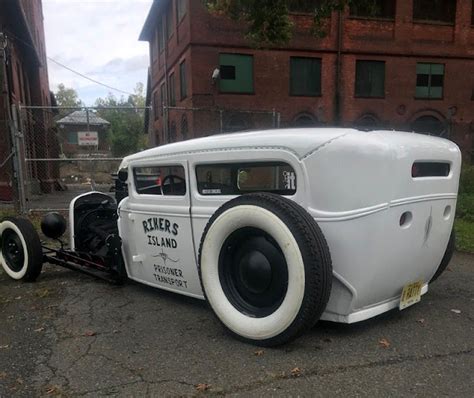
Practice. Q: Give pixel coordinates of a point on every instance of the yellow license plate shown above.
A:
(411, 294)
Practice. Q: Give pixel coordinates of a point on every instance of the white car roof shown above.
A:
(301, 141)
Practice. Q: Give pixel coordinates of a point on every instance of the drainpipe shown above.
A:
(338, 96)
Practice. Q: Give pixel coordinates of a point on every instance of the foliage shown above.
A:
(464, 235)
(465, 207)
(126, 132)
(269, 21)
(466, 185)
(67, 97)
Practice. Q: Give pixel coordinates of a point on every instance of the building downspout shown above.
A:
(338, 96)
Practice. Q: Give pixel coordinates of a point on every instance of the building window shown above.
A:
(429, 80)
(172, 90)
(304, 120)
(182, 6)
(305, 76)
(184, 127)
(370, 79)
(182, 80)
(380, 9)
(429, 125)
(169, 22)
(236, 73)
(472, 16)
(153, 50)
(161, 39)
(156, 105)
(162, 98)
(434, 10)
(303, 6)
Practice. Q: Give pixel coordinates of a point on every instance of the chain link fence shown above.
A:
(183, 123)
(69, 151)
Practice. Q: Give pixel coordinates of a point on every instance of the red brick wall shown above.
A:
(400, 43)
(22, 21)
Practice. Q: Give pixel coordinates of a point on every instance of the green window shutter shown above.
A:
(305, 76)
(370, 79)
(72, 137)
(236, 73)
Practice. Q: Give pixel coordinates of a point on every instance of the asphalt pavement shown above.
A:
(70, 335)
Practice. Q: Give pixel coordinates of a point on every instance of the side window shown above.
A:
(160, 180)
(236, 179)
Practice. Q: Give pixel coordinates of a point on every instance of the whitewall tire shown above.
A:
(21, 255)
(265, 268)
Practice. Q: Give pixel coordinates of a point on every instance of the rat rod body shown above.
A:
(276, 229)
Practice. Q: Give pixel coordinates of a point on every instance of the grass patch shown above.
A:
(464, 235)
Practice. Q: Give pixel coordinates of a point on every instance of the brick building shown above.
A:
(409, 66)
(24, 81)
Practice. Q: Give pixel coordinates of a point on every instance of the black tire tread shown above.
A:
(316, 257)
(448, 254)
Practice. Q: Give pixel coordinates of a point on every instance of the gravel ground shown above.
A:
(69, 335)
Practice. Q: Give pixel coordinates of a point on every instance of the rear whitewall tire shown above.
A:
(306, 274)
(281, 319)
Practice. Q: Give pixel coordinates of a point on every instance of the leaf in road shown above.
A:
(296, 372)
(43, 293)
(259, 353)
(90, 333)
(421, 321)
(52, 390)
(456, 311)
(201, 387)
(39, 330)
(384, 343)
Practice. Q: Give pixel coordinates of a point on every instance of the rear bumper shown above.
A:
(368, 312)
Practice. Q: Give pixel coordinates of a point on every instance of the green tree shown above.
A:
(126, 133)
(67, 96)
(269, 21)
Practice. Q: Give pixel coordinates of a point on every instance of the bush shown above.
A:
(465, 207)
(466, 184)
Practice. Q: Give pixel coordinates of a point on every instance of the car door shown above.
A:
(155, 227)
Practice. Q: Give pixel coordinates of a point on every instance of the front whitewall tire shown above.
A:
(29, 244)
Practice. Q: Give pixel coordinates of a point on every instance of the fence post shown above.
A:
(221, 121)
(278, 120)
(18, 170)
(165, 124)
(273, 118)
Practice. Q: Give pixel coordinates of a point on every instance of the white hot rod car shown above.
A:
(275, 229)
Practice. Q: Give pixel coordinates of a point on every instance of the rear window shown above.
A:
(430, 169)
(160, 180)
(239, 178)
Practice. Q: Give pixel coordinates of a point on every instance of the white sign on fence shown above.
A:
(89, 138)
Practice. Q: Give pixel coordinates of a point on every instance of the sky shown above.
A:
(98, 38)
